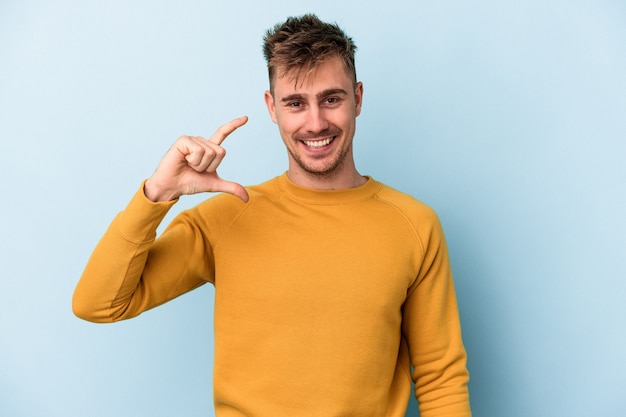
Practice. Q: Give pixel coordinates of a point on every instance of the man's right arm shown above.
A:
(130, 270)
(111, 287)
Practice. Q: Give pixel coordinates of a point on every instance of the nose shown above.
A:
(315, 120)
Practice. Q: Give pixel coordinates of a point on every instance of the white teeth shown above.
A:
(317, 143)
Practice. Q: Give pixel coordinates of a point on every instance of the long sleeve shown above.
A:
(432, 327)
(131, 271)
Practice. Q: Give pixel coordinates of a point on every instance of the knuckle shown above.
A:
(210, 151)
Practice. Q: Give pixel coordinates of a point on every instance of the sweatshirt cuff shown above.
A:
(141, 217)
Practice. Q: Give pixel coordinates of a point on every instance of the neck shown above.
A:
(328, 181)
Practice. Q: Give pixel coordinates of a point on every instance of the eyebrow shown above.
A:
(325, 93)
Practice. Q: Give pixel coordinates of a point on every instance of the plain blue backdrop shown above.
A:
(508, 118)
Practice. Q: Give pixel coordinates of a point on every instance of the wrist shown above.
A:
(157, 194)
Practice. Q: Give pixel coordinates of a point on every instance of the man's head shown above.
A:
(296, 47)
(314, 99)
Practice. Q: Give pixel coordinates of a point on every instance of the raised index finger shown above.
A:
(223, 131)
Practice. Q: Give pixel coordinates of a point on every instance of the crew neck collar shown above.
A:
(327, 197)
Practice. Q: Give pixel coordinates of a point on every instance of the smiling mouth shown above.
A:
(316, 144)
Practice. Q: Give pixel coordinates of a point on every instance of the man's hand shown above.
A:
(190, 167)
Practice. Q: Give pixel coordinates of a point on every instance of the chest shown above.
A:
(311, 260)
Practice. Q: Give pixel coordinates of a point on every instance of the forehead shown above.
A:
(330, 73)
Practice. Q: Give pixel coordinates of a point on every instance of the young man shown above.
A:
(332, 291)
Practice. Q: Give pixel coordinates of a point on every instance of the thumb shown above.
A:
(233, 188)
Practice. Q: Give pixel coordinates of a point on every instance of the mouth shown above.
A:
(318, 144)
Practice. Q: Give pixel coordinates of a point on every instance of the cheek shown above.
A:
(285, 132)
(287, 123)
(343, 121)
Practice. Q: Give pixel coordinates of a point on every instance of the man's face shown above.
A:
(317, 119)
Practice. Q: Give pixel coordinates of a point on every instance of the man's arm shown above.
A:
(129, 271)
(112, 276)
(432, 327)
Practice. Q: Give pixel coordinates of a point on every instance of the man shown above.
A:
(332, 290)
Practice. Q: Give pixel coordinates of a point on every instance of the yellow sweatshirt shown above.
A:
(327, 303)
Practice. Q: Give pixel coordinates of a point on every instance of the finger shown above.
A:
(201, 154)
(216, 160)
(195, 153)
(231, 187)
(226, 129)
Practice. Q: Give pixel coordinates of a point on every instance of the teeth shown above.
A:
(317, 143)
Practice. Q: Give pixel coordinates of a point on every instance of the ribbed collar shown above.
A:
(328, 197)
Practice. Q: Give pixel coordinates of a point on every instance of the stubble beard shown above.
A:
(328, 170)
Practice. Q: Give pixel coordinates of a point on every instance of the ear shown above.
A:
(358, 97)
(271, 106)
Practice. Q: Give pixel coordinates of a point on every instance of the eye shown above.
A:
(295, 104)
(331, 101)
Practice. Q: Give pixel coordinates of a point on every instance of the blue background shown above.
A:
(508, 118)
